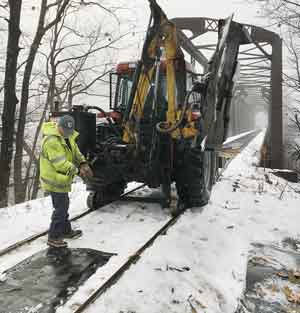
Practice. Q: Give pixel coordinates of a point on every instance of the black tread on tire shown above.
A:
(194, 177)
(108, 193)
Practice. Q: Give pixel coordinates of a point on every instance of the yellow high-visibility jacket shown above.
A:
(58, 163)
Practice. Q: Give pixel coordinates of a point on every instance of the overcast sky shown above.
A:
(244, 11)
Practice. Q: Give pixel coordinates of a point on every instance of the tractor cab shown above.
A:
(121, 82)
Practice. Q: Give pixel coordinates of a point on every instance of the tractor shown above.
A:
(165, 123)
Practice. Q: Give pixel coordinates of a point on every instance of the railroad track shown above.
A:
(81, 215)
(116, 274)
(32, 238)
(133, 259)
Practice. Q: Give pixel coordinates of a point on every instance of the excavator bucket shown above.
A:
(224, 69)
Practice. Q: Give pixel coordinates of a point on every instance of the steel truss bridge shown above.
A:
(260, 61)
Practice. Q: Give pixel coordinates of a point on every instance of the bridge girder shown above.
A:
(262, 69)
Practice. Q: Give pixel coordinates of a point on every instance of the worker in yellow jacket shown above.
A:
(60, 161)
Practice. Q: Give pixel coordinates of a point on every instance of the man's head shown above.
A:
(66, 125)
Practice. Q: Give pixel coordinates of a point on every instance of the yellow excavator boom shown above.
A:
(161, 40)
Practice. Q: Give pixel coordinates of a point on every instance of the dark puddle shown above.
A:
(273, 279)
(47, 279)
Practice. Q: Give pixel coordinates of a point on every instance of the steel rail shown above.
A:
(124, 267)
(45, 232)
(133, 259)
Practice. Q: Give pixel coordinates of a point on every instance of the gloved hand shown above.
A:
(85, 171)
(72, 171)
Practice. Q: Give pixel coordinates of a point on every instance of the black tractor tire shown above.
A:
(95, 200)
(105, 195)
(115, 190)
(195, 177)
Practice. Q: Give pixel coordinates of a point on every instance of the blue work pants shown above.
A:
(60, 223)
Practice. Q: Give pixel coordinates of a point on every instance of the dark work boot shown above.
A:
(73, 234)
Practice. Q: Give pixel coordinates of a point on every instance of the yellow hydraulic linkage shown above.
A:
(161, 42)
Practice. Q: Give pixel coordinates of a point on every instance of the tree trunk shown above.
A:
(20, 189)
(33, 159)
(49, 103)
(10, 98)
(36, 183)
(70, 96)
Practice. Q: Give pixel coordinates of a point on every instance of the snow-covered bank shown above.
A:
(200, 266)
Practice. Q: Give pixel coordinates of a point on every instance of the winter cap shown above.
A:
(67, 123)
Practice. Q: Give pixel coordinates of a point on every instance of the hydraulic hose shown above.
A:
(160, 127)
(108, 118)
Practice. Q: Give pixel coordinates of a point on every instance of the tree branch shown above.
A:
(59, 15)
(292, 2)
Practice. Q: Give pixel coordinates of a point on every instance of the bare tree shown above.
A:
(77, 74)
(10, 98)
(285, 14)
(292, 77)
(294, 146)
(42, 28)
(71, 71)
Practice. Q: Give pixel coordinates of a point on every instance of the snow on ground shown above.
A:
(199, 266)
(118, 228)
(26, 219)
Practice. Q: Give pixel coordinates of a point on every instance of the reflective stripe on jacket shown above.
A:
(58, 164)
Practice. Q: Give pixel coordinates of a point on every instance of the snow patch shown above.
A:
(199, 265)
